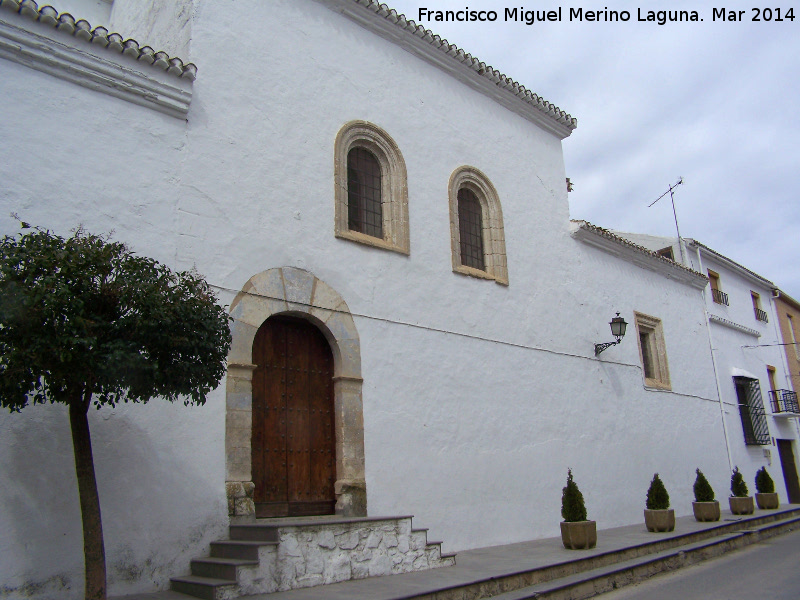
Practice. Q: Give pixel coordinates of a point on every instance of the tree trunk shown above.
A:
(94, 554)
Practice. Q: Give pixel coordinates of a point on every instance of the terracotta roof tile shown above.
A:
(100, 36)
(499, 79)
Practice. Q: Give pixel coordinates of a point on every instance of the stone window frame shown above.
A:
(653, 331)
(394, 186)
(494, 241)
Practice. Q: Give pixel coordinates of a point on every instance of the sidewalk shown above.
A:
(484, 567)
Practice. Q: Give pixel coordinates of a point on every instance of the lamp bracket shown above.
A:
(598, 348)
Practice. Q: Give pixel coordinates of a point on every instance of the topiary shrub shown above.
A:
(703, 492)
(572, 506)
(657, 496)
(738, 486)
(764, 483)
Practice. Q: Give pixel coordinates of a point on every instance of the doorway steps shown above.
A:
(271, 555)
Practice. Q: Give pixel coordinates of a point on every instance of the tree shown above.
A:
(703, 492)
(85, 322)
(657, 496)
(764, 483)
(572, 506)
(738, 486)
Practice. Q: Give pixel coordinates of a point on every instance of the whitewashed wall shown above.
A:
(477, 397)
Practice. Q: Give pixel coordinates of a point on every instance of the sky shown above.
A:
(714, 102)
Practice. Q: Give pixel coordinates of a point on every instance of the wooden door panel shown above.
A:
(789, 468)
(293, 441)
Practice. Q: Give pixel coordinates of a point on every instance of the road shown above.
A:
(769, 570)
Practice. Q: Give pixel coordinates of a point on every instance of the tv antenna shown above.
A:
(670, 191)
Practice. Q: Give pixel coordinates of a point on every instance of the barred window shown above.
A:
(470, 229)
(364, 213)
(371, 188)
(751, 411)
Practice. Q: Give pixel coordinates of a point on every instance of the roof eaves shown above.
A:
(652, 260)
(780, 294)
(564, 122)
(731, 263)
(100, 36)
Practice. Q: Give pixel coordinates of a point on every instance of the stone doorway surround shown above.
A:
(295, 292)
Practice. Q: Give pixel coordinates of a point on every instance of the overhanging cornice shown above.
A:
(90, 64)
(640, 256)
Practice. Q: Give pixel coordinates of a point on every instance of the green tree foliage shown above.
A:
(738, 486)
(764, 483)
(703, 492)
(572, 506)
(657, 496)
(85, 322)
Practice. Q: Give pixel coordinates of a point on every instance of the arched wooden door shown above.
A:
(293, 446)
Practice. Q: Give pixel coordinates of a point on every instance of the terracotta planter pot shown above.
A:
(706, 511)
(742, 506)
(659, 520)
(580, 535)
(767, 501)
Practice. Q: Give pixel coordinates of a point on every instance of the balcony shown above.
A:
(761, 315)
(784, 403)
(719, 297)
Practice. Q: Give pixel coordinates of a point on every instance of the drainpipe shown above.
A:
(714, 364)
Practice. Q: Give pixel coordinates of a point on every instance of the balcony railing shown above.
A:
(719, 297)
(761, 315)
(784, 401)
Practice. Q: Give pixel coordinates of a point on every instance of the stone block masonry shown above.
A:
(285, 554)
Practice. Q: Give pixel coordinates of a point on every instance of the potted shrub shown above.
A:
(705, 506)
(740, 502)
(766, 496)
(658, 516)
(576, 532)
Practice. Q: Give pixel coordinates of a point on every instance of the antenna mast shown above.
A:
(672, 198)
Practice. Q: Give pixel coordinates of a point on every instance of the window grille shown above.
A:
(751, 411)
(364, 211)
(470, 229)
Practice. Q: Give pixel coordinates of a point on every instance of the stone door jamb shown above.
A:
(295, 292)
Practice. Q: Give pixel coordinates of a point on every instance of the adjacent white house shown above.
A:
(394, 212)
(761, 419)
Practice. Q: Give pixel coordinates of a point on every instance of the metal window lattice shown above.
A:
(364, 210)
(751, 411)
(470, 229)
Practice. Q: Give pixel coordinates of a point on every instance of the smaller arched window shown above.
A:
(371, 189)
(476, 226)
(470, 229)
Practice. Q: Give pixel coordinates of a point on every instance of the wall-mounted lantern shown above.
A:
(618, 327)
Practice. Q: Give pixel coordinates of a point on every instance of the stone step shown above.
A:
(313, 551)
(587, 584)
(242, 549)
(207, 588)
(220, 568)
(257, 532)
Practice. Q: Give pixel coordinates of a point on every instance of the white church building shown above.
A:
(386, 218)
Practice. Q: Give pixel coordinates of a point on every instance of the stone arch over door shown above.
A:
(294, 292)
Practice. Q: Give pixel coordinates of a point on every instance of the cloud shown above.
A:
(712, 101)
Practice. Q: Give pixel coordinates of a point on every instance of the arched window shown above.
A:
(476, 226)
(470, 229)
(371, 189)
(364, 213)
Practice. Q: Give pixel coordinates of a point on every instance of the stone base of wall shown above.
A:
(330, 553)
(311, 551)
(240, 498)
